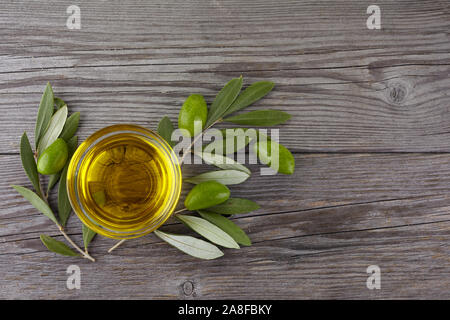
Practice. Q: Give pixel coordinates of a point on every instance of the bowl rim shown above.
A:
(72, 180)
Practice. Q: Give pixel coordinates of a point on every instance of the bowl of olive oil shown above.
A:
(124, 181)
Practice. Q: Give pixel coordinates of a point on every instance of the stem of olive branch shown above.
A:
(181, 163)
(196, 139)
(116, 245)
(181, 210)
(61, 229)
(83, 253)
(123, 240)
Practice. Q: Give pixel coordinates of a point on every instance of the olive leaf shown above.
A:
(88, 235)
(28, 163)
(70, 127)
(59, 103)
(250, 95)
(234, 206)
(72, 145)
(165, 130)
(54, 129)
(44, 114)
(230, 143)
(223, 100)
(52, 181)
(209, 231)
(37, 202)
(228, 226)
(267, 117)
(222, 162)
(64, 207)
(226, 177)
(195, 247)
(57, 246)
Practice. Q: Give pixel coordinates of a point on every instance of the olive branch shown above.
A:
(209, 199)
(55, 142)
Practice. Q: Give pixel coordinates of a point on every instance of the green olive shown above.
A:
(193, 109)
(206, 194)
(286, 163)
(53, 159)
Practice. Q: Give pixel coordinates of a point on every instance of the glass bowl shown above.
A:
(124, 181)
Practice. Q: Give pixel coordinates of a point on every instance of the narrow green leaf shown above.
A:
(88, 235)
(250, 95)
(222, 162)
(57, 246)
(59, 103)
(29, 164)
(44, 114)
(223, 100)
(235, 206)
(64, 207)
(165, 130)
(226, 177)
(226, 145)
(260, 118)
(228, 226)
(37, 202)
(70, 127)
(54, 129)
(190, 245)
(72, 145)
(209, 231)
(52, 181)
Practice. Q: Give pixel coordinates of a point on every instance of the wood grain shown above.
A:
(350, 220)
(370, 132)
(348, 88)
(413, 262)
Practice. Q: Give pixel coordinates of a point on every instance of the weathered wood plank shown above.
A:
(322, 199)
(319, 181)
(348, 88)
(333, 110)
(317, 266)
(323, 33)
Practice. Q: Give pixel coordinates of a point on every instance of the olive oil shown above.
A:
(125, 183)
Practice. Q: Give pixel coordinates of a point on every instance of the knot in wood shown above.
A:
(397, 92)
(188, 288)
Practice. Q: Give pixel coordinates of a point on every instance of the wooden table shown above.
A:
(370, 133)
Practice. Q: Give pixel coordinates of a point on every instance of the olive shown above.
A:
(53, 159)
(286, 161)
(193, 109)
(206, 194)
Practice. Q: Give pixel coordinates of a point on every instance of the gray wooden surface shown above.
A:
(370, 133)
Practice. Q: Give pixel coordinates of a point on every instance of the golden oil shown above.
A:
(125, 183)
